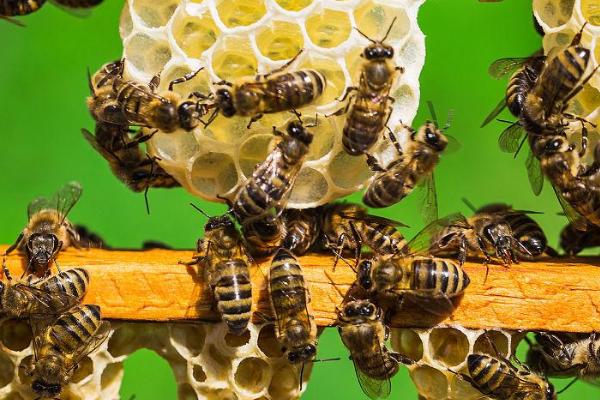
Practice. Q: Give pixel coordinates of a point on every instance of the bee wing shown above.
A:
(373, 218)
(374, 388)
(429, 236)
(534, 173)
(497, 110)
(505, 66)
(510, 138)
(104, 152)
(47, 304)
(80, 12)
(62, 201)
(428, 196)
(91, 344)
(578, 221)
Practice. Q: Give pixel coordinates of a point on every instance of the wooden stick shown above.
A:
(556, 295)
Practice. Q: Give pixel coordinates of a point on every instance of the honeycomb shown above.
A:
(207, 362)
(561, 20)
(443, 349)
(235, 39)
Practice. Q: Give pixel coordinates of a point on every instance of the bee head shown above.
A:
(364, 274)
(221, 222)
(297, 131)
(138, 179)
(535, 245)
(189, 115)
(360, 308)
(225, 102)
(556, 145)
(302, 354)
(432, 136)
(166, 118)
(42, 247)
(378, 51)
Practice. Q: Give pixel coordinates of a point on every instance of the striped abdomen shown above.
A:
(79, 3)
(382, 238)
(10, 8)
(376, 366)
(73, 283)
(573, 241)
(291, 90)
(134, 98)
(585, 201)
(562, 74)
(302, 230)
(286, 284)
(528, 232)
(390, 187)
(230, 282)
(364, 121)
(442, 277)
(73, 329)
(492, 377)
(264, 235)
(520, 84)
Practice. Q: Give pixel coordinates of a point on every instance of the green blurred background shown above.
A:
(42, 109)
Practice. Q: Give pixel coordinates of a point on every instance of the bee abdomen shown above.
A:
(286, 282)
(233, 292)
(388, 189)
(440, 276)
(76, 326)
(491, 375)
(293, 90)
(384, 239)
(73, 282)
(9, 8)
(361, 130)
(381, 368)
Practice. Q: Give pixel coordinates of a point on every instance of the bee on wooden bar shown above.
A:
(264, 235)
(270, 93)
(347, 226)
(224, 258)
(361, 327)
(52, 295)
(566, 355)
(60, 346)
(302, 229)
(140, 104)
(498, 378)
(414, 165)
(272, 180)
(369, 108)
(573, 240)
(48, 230)
(296, 327)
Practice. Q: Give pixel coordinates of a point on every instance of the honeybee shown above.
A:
(369, 109)
(48, 231)
(528, 232)
(52, 295)
(13, 8)
(263, 235)
(302, 229)
(363, 332)
(499, 379)
(270, 93)
(566, 355)
(125, 158)
(273, 179)
(296, 327)
(223, 256)
(60, 346)
(414, 165)
(573, 240)
(349, 226)
(140, 104)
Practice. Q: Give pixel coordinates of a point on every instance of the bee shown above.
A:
(414, 165)
(125, 158)
(349, 226)
(13, 8)
(140, 104)
(499, 379)
(223, 256)
(48, 231)
(369, 108)
(361, 327)
(273, 179)
(52, 295)
(296, 327)
(528, 232)
(302, 229)
(270, 93)
(263, 235)
(566, 355)
(573, 240)
(60, 346)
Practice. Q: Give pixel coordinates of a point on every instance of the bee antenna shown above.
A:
(301, 375)
(389, 30)
(326, 359)
(469, 204)
(201, 211)
(365, 36)
(568, 385)
(148, 185)
(432, 112)
(90, 83)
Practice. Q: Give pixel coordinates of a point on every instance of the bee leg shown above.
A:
(395, 142)
(282, 68)
(401, 358)
(5, 270)
(584, 140)
(338, 249)
(462, 250)
(223, 82)
(254, 118)
(359, 243)
(348, 90)
(154, 82)
(184, 78)
(15, 244)
(374, 164)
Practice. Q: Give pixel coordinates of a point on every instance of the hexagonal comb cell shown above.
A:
(554, 13)
(448, 345)
(214, 173)
(252, 374)
(155, 14)
(430, 382)
(235, 40)
(15, 335)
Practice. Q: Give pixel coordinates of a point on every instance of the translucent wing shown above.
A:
(91, 344)
(428, 205)
(104, 152)
(453, 144)
(374, 388)
(510, 139)
(505, 66)
(433, 233)
(497, 110)
(62, 201)
(534, 173)
(373, 218)
(45, 304)
(578, 221)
